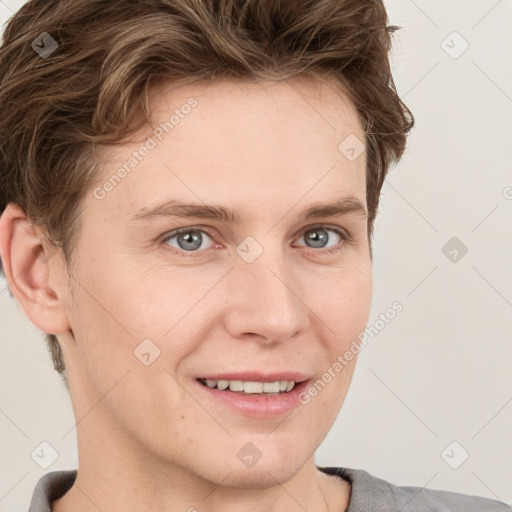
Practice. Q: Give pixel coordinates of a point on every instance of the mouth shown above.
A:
(254, 398)
(250, 387)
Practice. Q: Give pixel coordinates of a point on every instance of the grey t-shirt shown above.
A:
(369, 494)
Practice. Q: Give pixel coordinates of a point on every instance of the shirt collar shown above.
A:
(367, 491)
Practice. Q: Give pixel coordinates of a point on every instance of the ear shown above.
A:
(25, 262)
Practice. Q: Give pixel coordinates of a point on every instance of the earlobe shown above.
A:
(27, 271)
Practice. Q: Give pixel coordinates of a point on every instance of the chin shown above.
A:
(260, 476)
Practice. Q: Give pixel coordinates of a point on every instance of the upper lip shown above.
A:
(256, 376)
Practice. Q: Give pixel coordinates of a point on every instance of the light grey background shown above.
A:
(440, 371)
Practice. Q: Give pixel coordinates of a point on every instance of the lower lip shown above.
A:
(256, 405)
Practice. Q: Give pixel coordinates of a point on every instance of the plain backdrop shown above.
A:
(431, 399)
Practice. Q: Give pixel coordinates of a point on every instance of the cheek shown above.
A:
(343, 311)
(103, 320)
(344, 303)
(130, 321)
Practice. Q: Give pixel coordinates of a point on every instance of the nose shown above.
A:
(265, 301)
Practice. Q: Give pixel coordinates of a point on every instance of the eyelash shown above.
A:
(344, 235)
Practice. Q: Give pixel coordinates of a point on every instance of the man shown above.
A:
(188, 207)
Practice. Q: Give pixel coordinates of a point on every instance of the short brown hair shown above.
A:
(55, 110)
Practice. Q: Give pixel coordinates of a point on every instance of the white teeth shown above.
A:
(270, 387)
(222, 384)
(251, 387)
(236, 385)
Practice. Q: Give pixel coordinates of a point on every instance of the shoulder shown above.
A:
(372, 493)
(50, 487)
(446, 501)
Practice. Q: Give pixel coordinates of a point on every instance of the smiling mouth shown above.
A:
(250, 387)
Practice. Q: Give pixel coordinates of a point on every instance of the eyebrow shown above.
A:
(174, 208)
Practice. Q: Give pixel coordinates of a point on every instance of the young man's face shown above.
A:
(254, 296)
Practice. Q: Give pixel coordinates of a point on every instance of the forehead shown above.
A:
(319, 99)
(255, 139)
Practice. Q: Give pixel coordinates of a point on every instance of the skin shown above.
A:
(147, 439)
